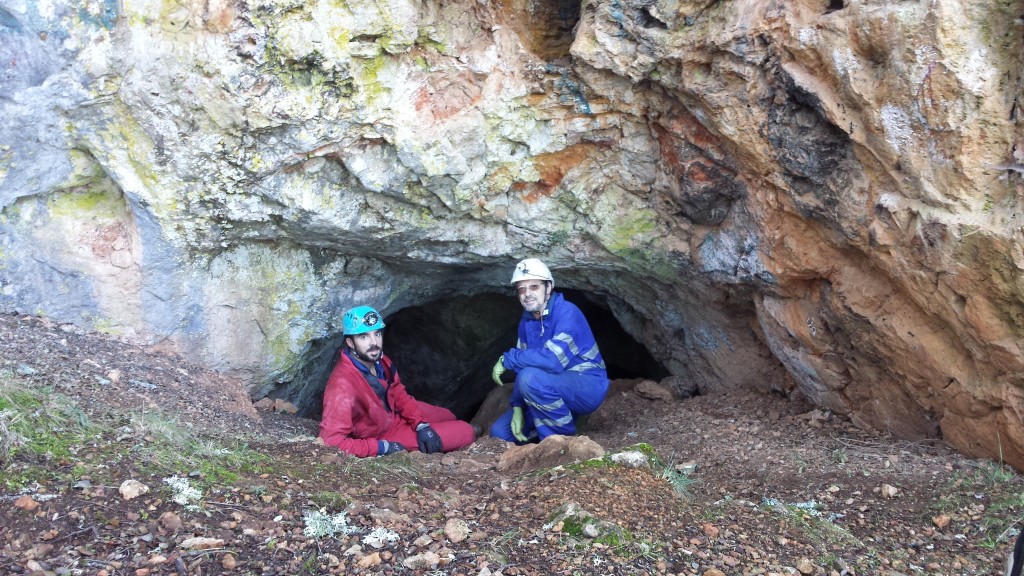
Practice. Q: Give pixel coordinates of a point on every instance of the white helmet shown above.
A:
(532, 269)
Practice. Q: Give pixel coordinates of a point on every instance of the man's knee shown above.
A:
(500, 428)
(529, 380)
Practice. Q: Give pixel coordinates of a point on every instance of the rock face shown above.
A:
(813, 196)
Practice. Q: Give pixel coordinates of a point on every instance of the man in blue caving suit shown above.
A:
(560, 373)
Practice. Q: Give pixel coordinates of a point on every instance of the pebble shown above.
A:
(456, 530)
(369, 560)
(425, 561)
(132, 489)
(25, 370)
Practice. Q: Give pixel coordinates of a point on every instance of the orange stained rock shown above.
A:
(552, 168)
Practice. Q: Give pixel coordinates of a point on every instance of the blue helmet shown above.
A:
(361, 319)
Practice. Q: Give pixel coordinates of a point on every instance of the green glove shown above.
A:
(517, 424)
(498, 370)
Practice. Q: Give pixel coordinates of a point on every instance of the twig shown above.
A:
(1012, 526)
(202, 552)
(227, 504)
(95, 533)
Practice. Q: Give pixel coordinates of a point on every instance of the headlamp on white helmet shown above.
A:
(532, 269)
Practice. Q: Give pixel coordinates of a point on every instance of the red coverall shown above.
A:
(354, 417)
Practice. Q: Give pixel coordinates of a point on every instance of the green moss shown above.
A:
(632, 228)
(281, 284)
(606, 460)
(369, 71)
(645, 449)
(608, 534)
(124, 136)
(104, 325)
(424, 40)
(97, 202)
(329, 500)
(558, 238)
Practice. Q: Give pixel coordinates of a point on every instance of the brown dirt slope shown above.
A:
(742, 484)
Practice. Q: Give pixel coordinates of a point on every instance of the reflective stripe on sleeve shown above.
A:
(558, 352)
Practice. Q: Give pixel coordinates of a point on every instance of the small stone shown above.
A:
(26, 503)
(281, 405)
(369, 560)
(711, 530)
(686, 468)
(170, 522)
(425, 561)
(653, 391)
(228, 562)
(25, 370)
(889, 491)
(201, 543)
(941, 521)
(353, 550)
(805, 566)
(456, 530)
(630, 459)
(132, 489)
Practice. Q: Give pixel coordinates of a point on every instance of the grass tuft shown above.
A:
(37, 424)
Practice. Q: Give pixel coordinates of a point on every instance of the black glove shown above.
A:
(385, 448)
(428, 440)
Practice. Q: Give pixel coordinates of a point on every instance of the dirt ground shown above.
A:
(743, 484)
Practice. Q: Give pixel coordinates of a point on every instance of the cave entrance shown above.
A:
(546, 27)
(444, 350)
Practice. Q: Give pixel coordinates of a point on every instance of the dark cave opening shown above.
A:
(834, 5)
(546, 27)
(444, 350)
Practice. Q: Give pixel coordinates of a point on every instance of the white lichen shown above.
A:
(808, 36)
(184, 493)
(380, 537)
(845, 61)
(318, 523)
(897, 127)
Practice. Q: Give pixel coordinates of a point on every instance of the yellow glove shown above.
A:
(498, 370)
(517, 424)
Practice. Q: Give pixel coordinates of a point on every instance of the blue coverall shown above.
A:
(560, 373)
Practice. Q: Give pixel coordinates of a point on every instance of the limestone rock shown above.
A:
(425, 561)
(200, 543)
(550, 452)
(631, 459)
(456, 530)
(131, 488)
(653, 391)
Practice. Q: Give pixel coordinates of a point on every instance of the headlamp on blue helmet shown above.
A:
(360, 320)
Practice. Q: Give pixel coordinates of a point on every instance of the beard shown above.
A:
(370, 355)
(534, 304)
